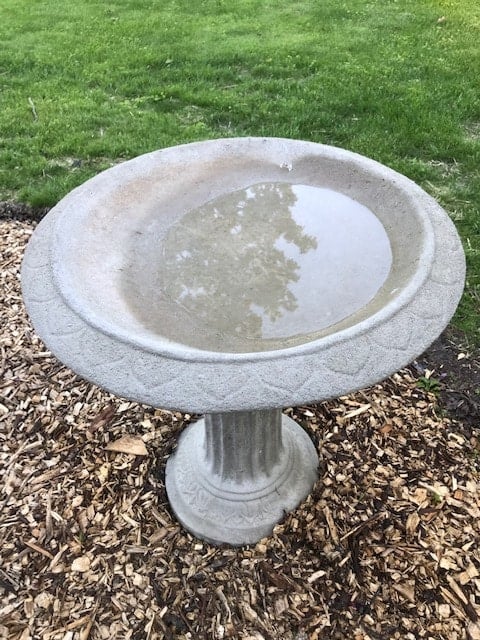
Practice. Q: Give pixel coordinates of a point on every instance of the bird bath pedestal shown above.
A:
(232, 278)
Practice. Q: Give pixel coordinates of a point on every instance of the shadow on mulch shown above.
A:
(457, 369)
(22, 212)
(451, 362)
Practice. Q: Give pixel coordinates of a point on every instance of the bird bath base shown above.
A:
(235, 475)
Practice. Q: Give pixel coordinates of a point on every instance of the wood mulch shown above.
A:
(386, 546)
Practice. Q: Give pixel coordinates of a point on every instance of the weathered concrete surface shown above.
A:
(233, 476)
(78, 279)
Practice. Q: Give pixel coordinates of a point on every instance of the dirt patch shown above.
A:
(456, 366)
(21, 212)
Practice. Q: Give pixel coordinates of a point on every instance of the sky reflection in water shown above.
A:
(262, 268)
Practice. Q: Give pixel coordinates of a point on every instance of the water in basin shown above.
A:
(266, 267)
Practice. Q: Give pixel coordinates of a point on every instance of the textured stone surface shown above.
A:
(235, 484)
(427, 276)
(242, 445)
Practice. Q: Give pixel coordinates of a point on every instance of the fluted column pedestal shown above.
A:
(234, 475)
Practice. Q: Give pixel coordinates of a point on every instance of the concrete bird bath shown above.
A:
(232, 278)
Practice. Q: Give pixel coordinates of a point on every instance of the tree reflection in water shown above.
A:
(225, 265)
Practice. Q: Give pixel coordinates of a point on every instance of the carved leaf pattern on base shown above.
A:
(246, 510)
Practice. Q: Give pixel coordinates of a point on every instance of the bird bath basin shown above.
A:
(232, 278)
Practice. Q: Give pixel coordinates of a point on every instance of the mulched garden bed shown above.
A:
(386, 546)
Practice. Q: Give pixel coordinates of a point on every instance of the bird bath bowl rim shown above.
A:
(161, 345)
(348, 359)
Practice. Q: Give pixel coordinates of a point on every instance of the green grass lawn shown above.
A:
(86, 84)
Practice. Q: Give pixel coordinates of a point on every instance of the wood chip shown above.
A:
(331, 525)
(81, 564)
(411, 525)
(470, 572)
(407, 590)
(128, 444)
